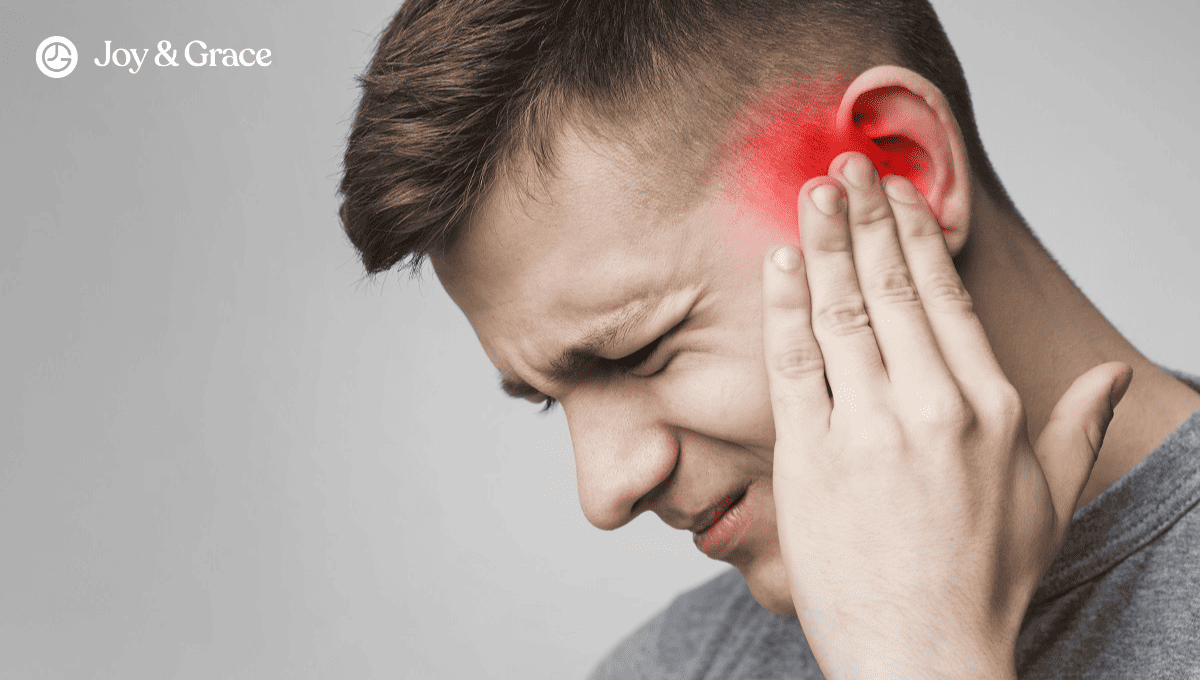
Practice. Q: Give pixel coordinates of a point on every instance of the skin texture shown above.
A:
(673, 442)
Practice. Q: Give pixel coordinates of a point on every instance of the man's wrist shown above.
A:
(874, 661)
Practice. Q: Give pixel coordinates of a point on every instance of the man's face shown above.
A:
(692, 423)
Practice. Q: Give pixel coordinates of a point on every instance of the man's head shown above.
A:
(596, 183)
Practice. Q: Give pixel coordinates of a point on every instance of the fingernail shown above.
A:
(787, 258)
(1119, 386)
(828, 199)
(859, 171)
(900, 189)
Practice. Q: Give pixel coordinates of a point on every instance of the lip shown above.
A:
(713, 513)
(718, 528)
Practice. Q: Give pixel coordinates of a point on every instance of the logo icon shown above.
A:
(56, 56)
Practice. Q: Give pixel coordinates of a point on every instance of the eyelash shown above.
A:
(549, 403)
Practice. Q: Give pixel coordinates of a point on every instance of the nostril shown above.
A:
(640, 505)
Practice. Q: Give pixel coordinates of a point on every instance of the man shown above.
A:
(889, 444)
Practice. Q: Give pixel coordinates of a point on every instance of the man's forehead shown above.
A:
(598, 208)
(619, 171)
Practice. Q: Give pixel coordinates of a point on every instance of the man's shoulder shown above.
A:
(1120, 598)
(716, 629)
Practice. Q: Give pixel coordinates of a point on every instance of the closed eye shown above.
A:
(628, 362)
(641, 356)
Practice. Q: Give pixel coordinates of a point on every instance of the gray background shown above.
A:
(223, 455)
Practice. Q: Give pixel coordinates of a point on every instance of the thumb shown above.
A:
(1070, 442)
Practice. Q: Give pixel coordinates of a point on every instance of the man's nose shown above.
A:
(623, 452)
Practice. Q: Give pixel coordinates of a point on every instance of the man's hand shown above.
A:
(915, 518)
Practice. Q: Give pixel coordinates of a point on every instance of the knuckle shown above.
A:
(894, 285)
(947, 293)
(923, 224)
(1004, 401)
(787, 302)
(1002, 404)
(944, 409)
(876, 216)
(848, 317)
(799, 362)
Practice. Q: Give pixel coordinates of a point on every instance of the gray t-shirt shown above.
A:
(1121, 599)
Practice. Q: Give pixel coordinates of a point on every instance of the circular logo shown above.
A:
(56, 56)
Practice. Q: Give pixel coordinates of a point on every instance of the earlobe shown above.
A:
(909, 127)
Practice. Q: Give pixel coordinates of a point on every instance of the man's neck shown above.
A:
(1046, 333)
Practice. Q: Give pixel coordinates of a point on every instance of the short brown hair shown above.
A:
(460, 89)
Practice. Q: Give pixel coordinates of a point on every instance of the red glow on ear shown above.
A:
(792, 140)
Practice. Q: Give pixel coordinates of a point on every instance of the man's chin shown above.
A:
(768, 584)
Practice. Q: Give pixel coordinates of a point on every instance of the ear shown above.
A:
(910, 128)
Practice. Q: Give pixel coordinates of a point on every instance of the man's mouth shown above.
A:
(718, 508)
(719, 527)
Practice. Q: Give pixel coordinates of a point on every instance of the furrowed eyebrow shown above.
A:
(584, 357)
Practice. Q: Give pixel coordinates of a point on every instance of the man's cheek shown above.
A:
(725, 398)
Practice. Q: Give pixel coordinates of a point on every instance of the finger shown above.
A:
(1070, 442)
(906, 342)
(963, 344)
(795, 366)
(839, 316)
